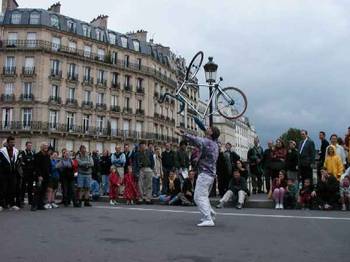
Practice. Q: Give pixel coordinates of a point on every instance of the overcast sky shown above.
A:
(291, 58)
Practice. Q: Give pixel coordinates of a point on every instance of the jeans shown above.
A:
(155, 186)
(68, 190)
(201, 195)
(105, 184)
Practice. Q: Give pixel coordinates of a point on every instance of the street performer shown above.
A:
(209, 152)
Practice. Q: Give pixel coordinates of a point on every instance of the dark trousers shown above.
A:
(68, 191)
(268, 175)
(7, 190)
(289, 200)
(27, 187)
(327, 195)
(256, 178)
(165, 180)
(223, 181)
(40, 194)
(305, 172)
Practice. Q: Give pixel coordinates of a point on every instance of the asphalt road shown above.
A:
(160, 233)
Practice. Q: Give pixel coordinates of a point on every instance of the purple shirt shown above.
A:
(209, 153)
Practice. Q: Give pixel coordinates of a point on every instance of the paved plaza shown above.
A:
(162, 233)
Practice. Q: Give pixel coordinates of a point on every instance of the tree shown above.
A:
(291, 134)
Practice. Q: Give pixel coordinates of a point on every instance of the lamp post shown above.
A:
(210, 69)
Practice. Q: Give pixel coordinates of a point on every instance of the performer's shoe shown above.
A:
(220, 205)
(213, 215)
(206, 223)
(239, 206)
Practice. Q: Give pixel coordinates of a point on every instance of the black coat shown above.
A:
(307, 155)
(168, 160)
(27, 162)
(105, 165)
(177, 188)
(236, 186)
(42, 165)
(292, 159)
(9, 167)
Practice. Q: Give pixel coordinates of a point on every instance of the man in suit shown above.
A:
(255, 156)
(306, 157)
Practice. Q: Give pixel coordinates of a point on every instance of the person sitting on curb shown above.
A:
(186, 196)
(238, 191)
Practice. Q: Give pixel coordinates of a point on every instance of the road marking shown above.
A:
(224, 214)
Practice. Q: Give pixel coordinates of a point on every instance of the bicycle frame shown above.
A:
(217, 88)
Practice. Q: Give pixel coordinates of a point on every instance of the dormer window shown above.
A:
(136, 45)
(99, 34)
(124, 41)
(34, 18)
(54, 21)
(16, 18)
(71, 26)
(112, 38)
(86, 31)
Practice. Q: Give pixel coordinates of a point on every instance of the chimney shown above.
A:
(140, 35)
(100, 21)
(8, 5)
(56, 8)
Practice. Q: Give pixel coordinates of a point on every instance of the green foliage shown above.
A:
(291, 134)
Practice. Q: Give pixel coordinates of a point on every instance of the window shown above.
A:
(101, 54)
(31, 40)
(55, 67)
(27, 90)
(70, 121)
(53, 119)
(139, 63)
(101, 75)
(7, 117)
(34, 18)
(114, 127)
(87, 73)
(114, 78)
(127, 81)
(100, 98)
(9, 89)
(56, 43)
(100, 123)
(72, 46)
(126, 61)
(87, 51)
(112, 38)
(126, 125)
(139, 83)
(26, 117)
(87, 96)
(86, 122)
(124, 41)
(10, 62)
(86, 31)
(54, 91)
(16, 18)
(54, 21)
(71, 93)
(12, 38)
(127, 102)
(139, 128)
(136, 45)
(71, 26)
(72, 72)
(139, 104)
(99, 34)
(114, 58)
(114, 100)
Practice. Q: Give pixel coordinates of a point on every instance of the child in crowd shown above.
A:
(114, 184)
(279, 185)
(290, 194)
(95, 189)
(130, 191)
(345, 192)
(53, 182)
(305, 194)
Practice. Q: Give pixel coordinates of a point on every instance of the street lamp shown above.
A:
(210, 69)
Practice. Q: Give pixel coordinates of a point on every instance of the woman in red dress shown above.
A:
(130, 192)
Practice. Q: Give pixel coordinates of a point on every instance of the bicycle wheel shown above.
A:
(231, 103)
(194, 66)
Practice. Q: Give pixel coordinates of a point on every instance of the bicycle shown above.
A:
(230, 102)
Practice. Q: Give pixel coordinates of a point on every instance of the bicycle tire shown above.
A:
(236, 107)
(195, 64)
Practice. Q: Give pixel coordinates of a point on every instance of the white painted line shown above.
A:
(225, 214)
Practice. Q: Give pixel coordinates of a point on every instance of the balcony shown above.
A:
(72, 77)
(115, 109)
(102, 83)
(101, 106)
(156, 94)
(115, 85)
(140, 90)
(7, 98)
(128, 88)
(88, 81)
(9, 71)
(127, 110)
(140, 112)
(55, 75)
(54, 100)
(87, 104)
(28, 71)
(71, 102)
(27, 97)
